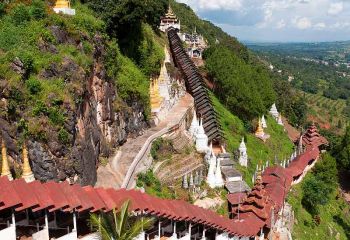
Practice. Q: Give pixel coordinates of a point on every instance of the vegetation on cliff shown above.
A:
(55, 68)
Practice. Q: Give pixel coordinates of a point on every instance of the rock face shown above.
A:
(94, 126)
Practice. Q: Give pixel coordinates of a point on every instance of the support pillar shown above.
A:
(159, 227)
(74, 222)
(203, 236)
(174, 232)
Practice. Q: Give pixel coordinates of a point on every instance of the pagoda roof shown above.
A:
(313, 138)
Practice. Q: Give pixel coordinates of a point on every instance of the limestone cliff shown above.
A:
(93, 125)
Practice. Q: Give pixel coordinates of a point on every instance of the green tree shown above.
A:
(119, 225)
(343, 155)
(245, 89)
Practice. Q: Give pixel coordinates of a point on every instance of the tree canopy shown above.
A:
(245, 89)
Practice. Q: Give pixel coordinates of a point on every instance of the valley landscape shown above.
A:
(135, 120)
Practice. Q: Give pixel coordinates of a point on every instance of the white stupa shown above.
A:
(201, 139)
(263, 122)
(274, 112)
(211, 172)
(243, 156)
(279, 121)
(209, 153)
(194, 125)
(219, 181)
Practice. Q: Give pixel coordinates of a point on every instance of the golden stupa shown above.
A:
(62, 4)
(27, 171)
(5, 170)
(156, 99)
(260, 130)
(163, 72)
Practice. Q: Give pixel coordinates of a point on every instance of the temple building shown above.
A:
(195, 43)
(169, 20)
(63, 6)
(312, 138)
(243, 156)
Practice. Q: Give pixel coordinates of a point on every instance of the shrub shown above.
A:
(2, 9)
(34, 86)
(40, 108)
(56, 116)
(20, 14)
(28, 63)
(37, 10)
(63, 136)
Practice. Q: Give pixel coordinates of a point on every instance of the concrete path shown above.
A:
(123, 167)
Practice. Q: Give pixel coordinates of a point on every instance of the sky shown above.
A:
(278, 20)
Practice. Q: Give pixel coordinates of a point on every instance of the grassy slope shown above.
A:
(332, 216)
(233, 128)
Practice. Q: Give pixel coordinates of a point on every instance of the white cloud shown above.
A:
(282, 19)
(320, 26)
(302, 23)
(207, 5)
(281, 24)
(335, 8)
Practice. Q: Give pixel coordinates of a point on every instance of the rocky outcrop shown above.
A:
(94, 126)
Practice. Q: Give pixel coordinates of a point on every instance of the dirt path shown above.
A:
(123, 167)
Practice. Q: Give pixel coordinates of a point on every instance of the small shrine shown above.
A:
(63, 6)
(243, 156)
(211, 179)
(274, 112)
(201, 139)
(169, 20)
(194, 126)
(219, 181)
(259, 133)
(279, 121)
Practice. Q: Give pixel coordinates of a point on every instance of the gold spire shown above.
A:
(259, 174)
(62, 4)
(156, 99)
(5, 171)
(27, 171)
(259, 130)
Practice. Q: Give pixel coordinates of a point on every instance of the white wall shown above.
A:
(41, 235)
(8, 233)
(93, 236)
(70, 236)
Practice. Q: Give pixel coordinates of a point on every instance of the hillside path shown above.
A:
(126, 163)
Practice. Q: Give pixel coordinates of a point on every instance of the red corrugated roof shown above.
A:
(62, 196)
(236, 198)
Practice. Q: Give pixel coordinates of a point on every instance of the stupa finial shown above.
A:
(27, 171)
(5, 170)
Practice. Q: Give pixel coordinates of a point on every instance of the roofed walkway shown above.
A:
(124, 166)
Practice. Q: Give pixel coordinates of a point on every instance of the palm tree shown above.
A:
(119, 225)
